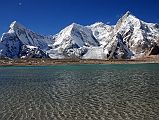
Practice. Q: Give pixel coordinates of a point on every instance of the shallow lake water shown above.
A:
(80, 92)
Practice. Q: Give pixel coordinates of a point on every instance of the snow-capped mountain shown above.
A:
(129, 38)
(73, 41)
(132, 37)
(21, 42)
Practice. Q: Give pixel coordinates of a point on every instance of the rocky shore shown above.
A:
(47, 62)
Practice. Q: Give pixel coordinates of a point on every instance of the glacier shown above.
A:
(130, 38)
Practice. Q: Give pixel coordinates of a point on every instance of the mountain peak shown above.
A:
(98, 24)
(127, 18)
(15, 24)
(127, 13)
(69, 28)
(75, 25)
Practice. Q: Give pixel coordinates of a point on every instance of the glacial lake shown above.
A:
(80, 92)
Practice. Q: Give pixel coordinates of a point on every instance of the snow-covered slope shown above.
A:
(102, 32)
(129, 38)
(22, 42)
(73, 41)
(132, 38)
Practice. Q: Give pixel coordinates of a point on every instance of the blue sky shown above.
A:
(50, 16)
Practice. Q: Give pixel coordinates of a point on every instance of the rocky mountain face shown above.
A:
(129, 38)
(20, 42)
(133, 38)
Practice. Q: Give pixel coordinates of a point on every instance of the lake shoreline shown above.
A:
(52, 62)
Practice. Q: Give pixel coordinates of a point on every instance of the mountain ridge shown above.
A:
(129, 38)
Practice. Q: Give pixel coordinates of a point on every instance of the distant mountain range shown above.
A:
(129, 38)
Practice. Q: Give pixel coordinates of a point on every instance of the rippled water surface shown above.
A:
(80, 92)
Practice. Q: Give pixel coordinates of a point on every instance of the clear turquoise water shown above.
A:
(80, 92)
